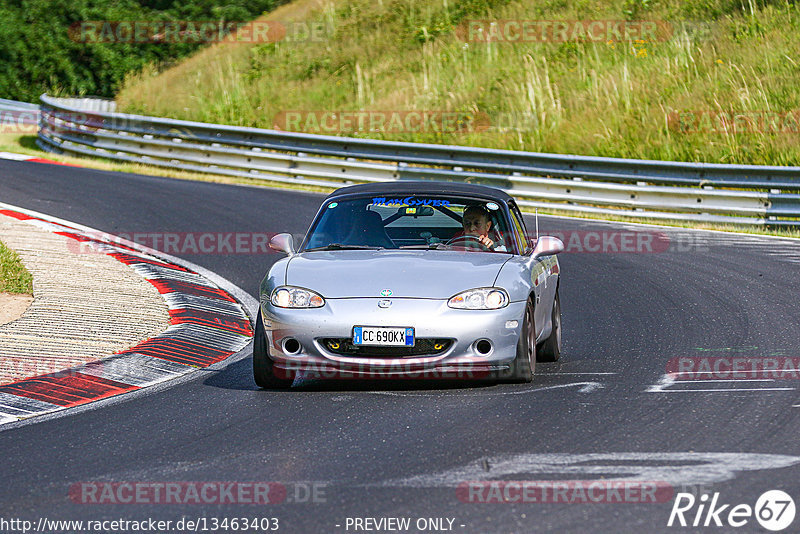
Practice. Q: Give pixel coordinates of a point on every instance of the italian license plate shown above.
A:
(384, 336)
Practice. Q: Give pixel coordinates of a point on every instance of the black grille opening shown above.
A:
(422, 347)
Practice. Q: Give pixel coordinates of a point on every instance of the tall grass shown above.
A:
(584, 97)
(14, 278)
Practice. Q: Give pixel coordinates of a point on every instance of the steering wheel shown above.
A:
(467, 241)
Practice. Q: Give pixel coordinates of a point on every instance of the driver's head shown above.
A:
(476, 221)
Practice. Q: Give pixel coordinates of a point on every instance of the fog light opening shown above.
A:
(291, 346)
(483, 347)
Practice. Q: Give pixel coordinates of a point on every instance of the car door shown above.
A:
(541, 272)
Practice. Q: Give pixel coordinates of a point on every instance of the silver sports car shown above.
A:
(410, 279)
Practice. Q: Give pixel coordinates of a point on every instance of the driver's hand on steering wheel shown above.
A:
(486, 241)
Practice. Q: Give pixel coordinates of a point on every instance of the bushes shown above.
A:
(39, 54)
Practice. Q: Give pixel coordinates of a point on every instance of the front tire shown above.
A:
(263, 366)
(551, 348)
(524, 364)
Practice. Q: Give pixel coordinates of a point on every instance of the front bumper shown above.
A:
(429, 318)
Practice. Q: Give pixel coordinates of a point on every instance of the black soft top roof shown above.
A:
(409, 187)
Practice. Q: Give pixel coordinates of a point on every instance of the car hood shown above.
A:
(435, 274)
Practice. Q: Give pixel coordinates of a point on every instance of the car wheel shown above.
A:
(524, 364)
(551, 348)
(263, 368)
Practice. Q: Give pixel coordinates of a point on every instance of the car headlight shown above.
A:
(295, 297)
(485, 298)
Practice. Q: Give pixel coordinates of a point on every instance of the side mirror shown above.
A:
(547, 246)
(282, 243)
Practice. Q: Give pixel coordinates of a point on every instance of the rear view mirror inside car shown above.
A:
(415, 211)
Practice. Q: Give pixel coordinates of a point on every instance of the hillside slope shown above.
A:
(82, 47)
(717, 80)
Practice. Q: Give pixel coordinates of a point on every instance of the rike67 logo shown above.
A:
(774, 510)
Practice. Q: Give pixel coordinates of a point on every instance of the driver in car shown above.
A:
(477, 223)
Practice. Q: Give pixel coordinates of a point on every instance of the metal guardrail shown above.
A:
(18, 113)
(639, 188)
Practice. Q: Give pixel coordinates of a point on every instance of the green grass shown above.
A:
(578, 97)
(14, 278)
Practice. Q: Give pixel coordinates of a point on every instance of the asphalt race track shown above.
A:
(402, 449)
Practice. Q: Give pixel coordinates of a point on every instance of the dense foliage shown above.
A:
(39, 52)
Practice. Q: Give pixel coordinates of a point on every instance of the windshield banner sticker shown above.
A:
(409, 201)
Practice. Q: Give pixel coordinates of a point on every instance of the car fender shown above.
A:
(276, 276)
(516, 277)
(523, 276)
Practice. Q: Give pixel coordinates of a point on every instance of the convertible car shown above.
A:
(410, 279)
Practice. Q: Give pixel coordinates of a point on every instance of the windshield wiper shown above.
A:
(339, 246)
(429, 246)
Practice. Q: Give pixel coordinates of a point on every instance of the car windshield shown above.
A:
(411, 221)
